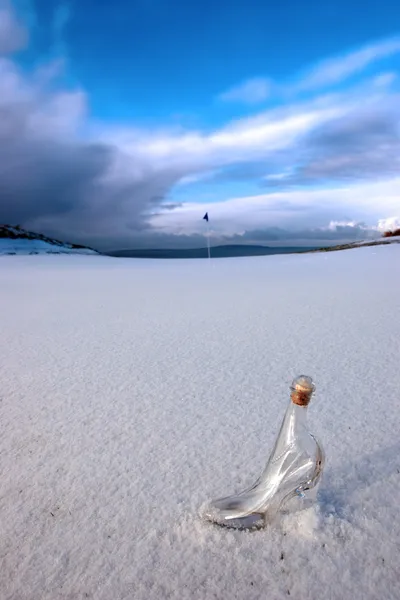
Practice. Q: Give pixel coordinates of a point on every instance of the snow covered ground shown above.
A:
(132, 391)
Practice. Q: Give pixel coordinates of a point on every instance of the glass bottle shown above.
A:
(293, 470)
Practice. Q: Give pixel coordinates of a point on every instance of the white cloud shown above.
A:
(293, 210)
(340, 225)
(326, 73)
(60, 114)
(251, 91)
(389, 224)
(385, 79)
(338, 69)
(26, 102)
(49, 71)
(241, 140)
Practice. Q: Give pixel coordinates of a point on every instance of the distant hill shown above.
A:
(229, 251)
(15, 240)
(232, 251)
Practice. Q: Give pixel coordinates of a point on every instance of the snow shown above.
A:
(133, 391)
(37, 246)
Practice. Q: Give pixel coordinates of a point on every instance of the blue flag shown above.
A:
(206, 217)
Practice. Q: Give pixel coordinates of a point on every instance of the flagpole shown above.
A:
(205, 218)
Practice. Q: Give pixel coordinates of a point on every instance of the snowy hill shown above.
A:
(15, 240)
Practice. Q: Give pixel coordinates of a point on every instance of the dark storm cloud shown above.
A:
(53, 183)
(48, 178)
(64, 187)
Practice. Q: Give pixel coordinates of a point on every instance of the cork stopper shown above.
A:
(302, 388)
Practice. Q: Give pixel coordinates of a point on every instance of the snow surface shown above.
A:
(133, 390)
(34, 246)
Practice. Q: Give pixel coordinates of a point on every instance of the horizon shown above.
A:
(201, 247)
(121, 127)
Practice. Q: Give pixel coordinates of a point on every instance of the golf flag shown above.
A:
(208, 235)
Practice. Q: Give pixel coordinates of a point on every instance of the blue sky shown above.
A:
(282, 120)
(156, 61)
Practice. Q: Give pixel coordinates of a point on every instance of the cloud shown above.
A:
(385, 79)
(311, 236)
(268, 236)
(241, 140)
(338, 69)
(340, 225)
(345, 138)
(389, 224)
(65, 175)
(55, 181)
(13, 36)
(252, 91)
(326, 73)
(363, 144)
(327, 210)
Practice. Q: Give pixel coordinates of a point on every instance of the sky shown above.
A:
(122, 123)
